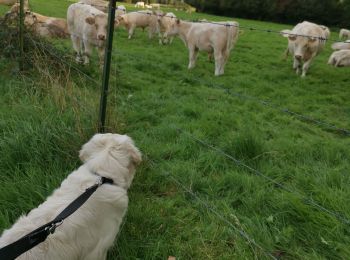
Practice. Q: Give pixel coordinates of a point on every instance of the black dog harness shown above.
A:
(39, 235)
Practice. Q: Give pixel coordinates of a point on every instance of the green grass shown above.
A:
(43, 125)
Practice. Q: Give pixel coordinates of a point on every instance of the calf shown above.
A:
(218, 39)
(340, 58)
(88, 27)
(140, 19)
(305, 42)
(165, 23)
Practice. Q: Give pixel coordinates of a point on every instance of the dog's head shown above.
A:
(112, 155)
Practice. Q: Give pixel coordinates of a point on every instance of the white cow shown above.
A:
(155, 5)
(340, 58)
(88, 27)
(211, 38)
(305, 42)
(341, 45)
(165, 23)
(148, 6)
(344, 34)
(140, 4)
(140, 19)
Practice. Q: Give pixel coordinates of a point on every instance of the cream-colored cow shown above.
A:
(140, 4)
(140, 19)
(165, 23)
(218, 39)
(88, 28)
(340, 58)
(344, 34)
(305, 42)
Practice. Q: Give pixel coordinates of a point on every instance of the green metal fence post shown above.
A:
(21, 33)
(106, 67)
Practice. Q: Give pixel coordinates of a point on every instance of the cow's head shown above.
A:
(173, 28)
(100, 23)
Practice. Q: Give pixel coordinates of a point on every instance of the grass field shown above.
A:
(152, 95)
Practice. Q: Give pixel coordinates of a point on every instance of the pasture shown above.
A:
(164, 108)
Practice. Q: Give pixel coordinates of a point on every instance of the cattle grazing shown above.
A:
(218, 39)
(88, 27)
(340, 58)
(305, 42)
(165, 23)
(344, 34)
(140, 4)
(148, 6)
(140, 19)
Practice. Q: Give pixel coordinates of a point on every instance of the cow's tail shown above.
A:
(232, 29)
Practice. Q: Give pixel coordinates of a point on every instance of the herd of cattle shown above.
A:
(86, 24)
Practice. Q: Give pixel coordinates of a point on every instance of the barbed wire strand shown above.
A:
(213, 210)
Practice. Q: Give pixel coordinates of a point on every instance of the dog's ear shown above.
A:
(97, 143)
(134, 153)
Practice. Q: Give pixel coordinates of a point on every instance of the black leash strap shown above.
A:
(39, 235)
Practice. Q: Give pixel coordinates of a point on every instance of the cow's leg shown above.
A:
(193, 53)
(77, 47)
(131, 31)
(87, 52)
(307, 66)
(101, 55)
(297, 65)
(219, 63)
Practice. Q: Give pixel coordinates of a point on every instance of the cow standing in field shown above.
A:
(340, 58)
(165, 23)
(88, 27)
(305, 42)
(140, 4)
(218, 39)
(344, 34)
(140, 19)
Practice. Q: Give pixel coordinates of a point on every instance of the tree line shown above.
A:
(327, 12)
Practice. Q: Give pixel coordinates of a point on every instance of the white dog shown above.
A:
(91, 230)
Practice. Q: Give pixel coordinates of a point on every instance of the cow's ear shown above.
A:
(90, 20)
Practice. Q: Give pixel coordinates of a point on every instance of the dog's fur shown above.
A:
(90, 231)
